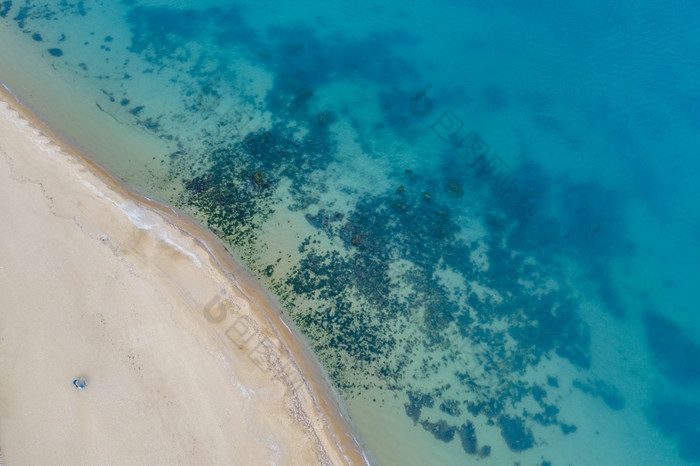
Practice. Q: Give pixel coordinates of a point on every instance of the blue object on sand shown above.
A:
(80, 383)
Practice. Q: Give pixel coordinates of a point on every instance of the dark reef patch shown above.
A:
(22, 16)
(451, 407)
(514, 432)
(600, 389)
(441, 430)
(302, 62)
(681, 420)
(548, 416)
(467, 435)
(567, 429)
(415, 403)
(5, 8)
(593, 225)
(583, 220)
(56, 52)
(673, 352)
(160, 33)
(136, 110)
(233, 194)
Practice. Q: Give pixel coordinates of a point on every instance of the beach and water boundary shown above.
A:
(281, 356)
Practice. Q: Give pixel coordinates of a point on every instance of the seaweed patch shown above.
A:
(394, 290)
(5, 8)
(516, 435)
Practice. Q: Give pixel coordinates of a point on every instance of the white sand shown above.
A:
(94, 283)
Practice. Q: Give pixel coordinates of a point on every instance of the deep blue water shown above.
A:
(483, 216)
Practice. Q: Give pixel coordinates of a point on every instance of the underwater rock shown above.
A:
(514, 432)
(148, 123)
(441, 430)
(260, 179)
(568, 429)
(490, 408)
(320, 220)
(467, 435)
(55, 52)
(199, 184)
(450, 407)
(548, 416)
(416, 401)
(5, 8)
(538, 393)
(300, 101)
(455, 189)
(22, 16)
(326, 118)
(357, 239)
(607, 392)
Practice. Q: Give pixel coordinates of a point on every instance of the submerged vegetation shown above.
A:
(434, 288)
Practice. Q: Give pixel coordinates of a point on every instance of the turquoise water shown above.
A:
(483, 217)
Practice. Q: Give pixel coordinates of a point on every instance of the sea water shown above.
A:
(483, 216)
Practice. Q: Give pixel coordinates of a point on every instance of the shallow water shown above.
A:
(482, 217)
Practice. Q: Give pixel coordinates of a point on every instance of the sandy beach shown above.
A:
(186, 358)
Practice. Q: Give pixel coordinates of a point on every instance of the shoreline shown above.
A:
(284, 359)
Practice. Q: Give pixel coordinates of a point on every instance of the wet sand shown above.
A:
(187, 359)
